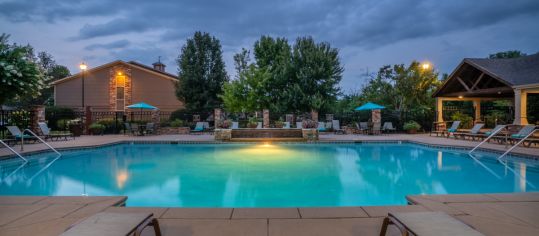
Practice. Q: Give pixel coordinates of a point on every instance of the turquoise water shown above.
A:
(264, 175)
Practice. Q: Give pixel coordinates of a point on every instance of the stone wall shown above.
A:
(174, 130)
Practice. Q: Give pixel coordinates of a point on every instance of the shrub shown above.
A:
(279, 123)
(179, 114)
(61, 124)
(466, 121)
(253, 122)
(96, 128)
(224, 124)
(309, 124)
(54, 114)
(110, 126)
(411, 125)
(177, 123)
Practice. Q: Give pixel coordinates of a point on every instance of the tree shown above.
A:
(318, 71)
(507, 54)
(241, 61)
(20, 76)
(202, 73)
(243, 94)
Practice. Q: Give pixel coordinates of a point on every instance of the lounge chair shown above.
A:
(454, 128)
(474, 131)
(259, 125)
(286, 125)
(376, 128)
(337, 127)
(111, 223)
(199, 128)
(321, 126)
(150, 128)
(299, 125)
(17, 134)
(362, 127)
(522, 133)
(235, 125)
(46, 131)
(427, 223)
(127, 128)
(388, 127)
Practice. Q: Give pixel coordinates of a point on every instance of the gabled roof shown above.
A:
(514, 71)
(131, 64)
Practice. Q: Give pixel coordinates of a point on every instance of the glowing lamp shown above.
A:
(83, 66)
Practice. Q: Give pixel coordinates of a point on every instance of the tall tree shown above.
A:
(241, 61)
(202, 73)
(317, 69)
(507, 54)
(20, 76)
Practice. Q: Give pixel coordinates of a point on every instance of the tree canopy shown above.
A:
(286, 78)
(202, 73)
(20, 75)
(507, 54)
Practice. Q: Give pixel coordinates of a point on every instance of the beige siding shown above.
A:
(96, 85)
(149, 88)
(146, 87)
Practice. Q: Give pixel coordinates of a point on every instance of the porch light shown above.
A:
(83, 66)
(461, 97)
(119, 73)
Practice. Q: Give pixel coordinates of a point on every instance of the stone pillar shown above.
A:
(217, 116)
(314, 115)
(87, 119)
(477, 107)
(376, 116)
(520, 107)
(38, 115)
(266, 118)
(439, 110)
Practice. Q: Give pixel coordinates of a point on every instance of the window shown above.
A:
(120, 92)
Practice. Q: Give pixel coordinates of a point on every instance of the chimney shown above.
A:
(159, 66)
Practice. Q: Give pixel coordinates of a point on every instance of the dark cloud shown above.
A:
(112, 45)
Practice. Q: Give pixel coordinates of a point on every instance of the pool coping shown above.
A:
(175, 142)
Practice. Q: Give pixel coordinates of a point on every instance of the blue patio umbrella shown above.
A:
(369, 106)
(141, 106)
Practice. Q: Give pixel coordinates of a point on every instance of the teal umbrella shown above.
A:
(369, 106)
(141, 106)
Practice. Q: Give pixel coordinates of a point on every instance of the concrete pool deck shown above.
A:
(490, 214)
(84, 141)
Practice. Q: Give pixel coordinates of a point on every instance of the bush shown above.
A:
(411, 125)
(253, 122)
(180, 114)
(177, 123)
(224, 124)
(110, 126)
(279, 123)
(466, 121)
(54, 114)
(96, 128)
(60, 124)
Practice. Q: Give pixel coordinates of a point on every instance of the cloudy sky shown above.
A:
(369, 33)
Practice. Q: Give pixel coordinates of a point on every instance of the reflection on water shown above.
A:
(265, 175)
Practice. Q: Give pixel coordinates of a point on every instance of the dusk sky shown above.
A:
(369, 33)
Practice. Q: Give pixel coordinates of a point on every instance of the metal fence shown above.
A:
(21, 118)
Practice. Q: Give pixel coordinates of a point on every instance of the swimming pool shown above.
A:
(265, 175)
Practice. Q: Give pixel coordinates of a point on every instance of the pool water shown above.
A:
(265, 175)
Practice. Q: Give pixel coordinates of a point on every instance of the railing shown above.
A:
(40, 139)
(494, 132)
(518, 143)
(12, 150)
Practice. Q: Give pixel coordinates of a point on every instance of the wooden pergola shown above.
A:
(480, 79)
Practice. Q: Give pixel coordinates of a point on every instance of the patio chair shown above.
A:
(259, 125)
(127, 128)
(427, 223)
(135, 129)
(474, 131)
(388, 127)
(362, 127)
(299, 125)
(199, 128)
(376, 128)
(17, 134)
(522, 133)
(235, 125)
(454, 128)
(337, 127)
(150, 128)
(321, 126)
(286, 125)
(111, 223)
(46, 131)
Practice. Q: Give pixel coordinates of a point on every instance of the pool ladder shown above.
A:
(518, 143)
(13, 151)
(40, 139)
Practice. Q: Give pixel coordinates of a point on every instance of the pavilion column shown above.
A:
(521, 103)
(477, 107)
(439, 109)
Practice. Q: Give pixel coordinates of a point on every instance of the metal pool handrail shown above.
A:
(518, 143)
(12, 150)
(489, 137)
(40, 139)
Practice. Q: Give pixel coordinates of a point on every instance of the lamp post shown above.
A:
(425, 65)
(83, 68)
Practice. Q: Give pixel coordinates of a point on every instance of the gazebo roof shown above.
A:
(481, 77)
